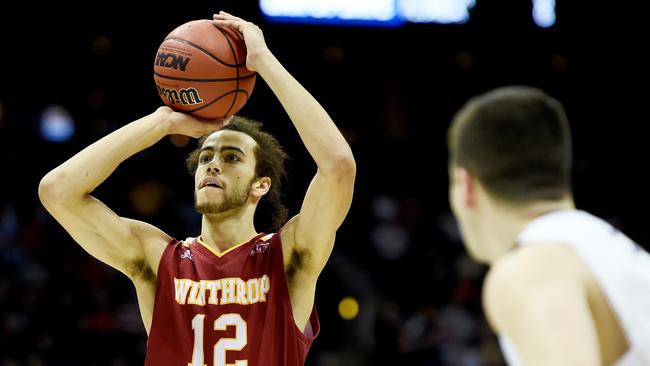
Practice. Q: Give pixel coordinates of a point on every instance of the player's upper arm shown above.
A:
(132, 247)
(537, 298)
(311, 233)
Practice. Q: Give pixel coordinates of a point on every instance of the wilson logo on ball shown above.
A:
(172, 61)
(186, 96)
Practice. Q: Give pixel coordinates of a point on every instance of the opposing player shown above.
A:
(564, 287)
(232, 295)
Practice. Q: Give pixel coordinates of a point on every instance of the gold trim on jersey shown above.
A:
(267, 237)
(200, 241)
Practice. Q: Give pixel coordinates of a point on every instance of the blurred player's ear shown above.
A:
(467, 185)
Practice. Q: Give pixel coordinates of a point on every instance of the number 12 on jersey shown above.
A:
(224, 344)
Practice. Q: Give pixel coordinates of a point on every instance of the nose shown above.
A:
(213, 165)
(213, 168)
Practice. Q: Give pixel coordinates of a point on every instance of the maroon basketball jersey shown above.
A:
(224, 309)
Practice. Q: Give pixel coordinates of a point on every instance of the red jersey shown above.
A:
(224, 309)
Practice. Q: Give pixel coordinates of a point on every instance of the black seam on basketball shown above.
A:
(219, 98)
(203, 80)
(234, 55)
(243, 91)
(203, 50)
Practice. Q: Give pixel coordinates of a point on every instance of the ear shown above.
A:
(261, 187)
(467, 184)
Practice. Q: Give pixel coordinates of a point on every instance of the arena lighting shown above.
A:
(355, 12)
(348, 308)
(435, 11)
(544, 12)
(56, 124)
(385, 13)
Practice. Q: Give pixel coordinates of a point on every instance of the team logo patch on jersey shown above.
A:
(187, 254)
(262, 245)
(260, 248)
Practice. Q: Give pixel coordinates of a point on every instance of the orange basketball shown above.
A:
(201, 69)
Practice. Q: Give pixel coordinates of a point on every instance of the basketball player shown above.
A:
(232, 295)
(564, 287)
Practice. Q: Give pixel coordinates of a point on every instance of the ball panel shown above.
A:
(219, 107)
(237, 45)
(179, 60)
(247, 82)
(207, 36)
(241, 97)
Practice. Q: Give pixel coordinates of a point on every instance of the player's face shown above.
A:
(462, 199)
(225, 173)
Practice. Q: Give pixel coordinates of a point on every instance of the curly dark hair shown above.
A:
(270, 156)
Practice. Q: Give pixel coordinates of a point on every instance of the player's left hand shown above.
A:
(185, 124)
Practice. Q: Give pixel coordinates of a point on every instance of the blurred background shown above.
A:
(399, 288)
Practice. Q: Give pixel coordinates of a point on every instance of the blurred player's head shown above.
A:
(249, 164)
(508, 149)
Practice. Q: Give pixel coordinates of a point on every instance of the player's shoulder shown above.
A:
(288, 232)
(528, 274)
(531, 266)
(538, 252)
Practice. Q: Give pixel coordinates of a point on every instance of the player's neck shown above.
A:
(222, 232)
(510, 222)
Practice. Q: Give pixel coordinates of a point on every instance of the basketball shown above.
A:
(201, 69)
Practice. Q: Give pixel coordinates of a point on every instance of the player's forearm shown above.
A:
(315, 127)
(82, 173)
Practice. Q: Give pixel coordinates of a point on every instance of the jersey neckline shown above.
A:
(201, 243)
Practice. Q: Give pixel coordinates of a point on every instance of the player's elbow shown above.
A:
(51, 189)
(346, 165)
(47, 190)
(342, 165)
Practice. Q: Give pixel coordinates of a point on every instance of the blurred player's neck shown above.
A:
(226, 230)
(508, 221)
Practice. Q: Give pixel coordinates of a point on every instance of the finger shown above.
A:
(229, 23)
(232, 21)
(226, 120)
(224, 15)
(230, 15)
(217, 123)
(227, 19)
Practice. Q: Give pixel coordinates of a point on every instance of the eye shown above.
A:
(231, 158)
(204, 158)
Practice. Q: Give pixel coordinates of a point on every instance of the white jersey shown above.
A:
(620, 266)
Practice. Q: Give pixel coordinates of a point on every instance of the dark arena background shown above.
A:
(71, 73)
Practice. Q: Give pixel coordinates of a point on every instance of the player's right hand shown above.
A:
(185, 124)
(253, 36)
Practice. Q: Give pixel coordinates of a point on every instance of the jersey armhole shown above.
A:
(312, 329)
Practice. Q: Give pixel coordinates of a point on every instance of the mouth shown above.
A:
(210, 186)
(210, 182)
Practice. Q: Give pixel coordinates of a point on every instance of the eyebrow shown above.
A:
(224, 148)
